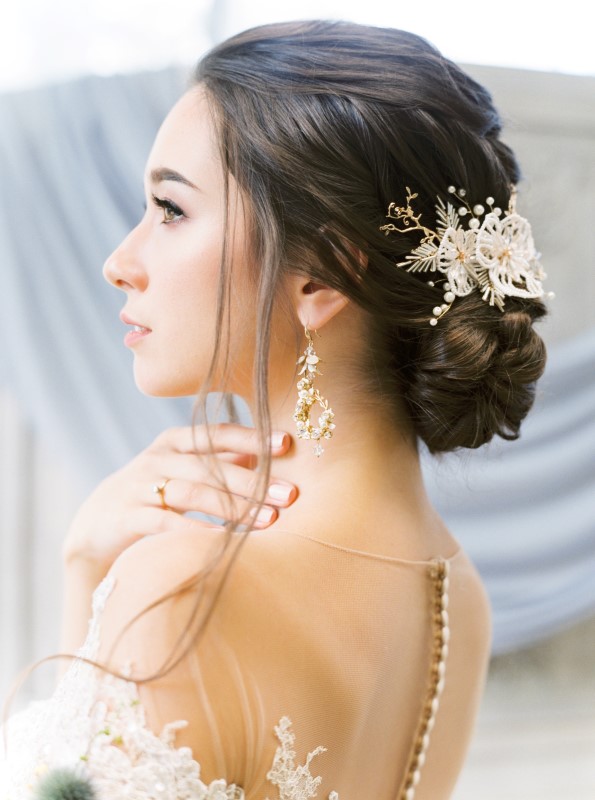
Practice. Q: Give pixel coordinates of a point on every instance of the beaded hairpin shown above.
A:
(494, 252)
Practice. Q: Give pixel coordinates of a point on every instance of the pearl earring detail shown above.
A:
(307, 396)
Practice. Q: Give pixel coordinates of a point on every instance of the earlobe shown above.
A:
(316, 304)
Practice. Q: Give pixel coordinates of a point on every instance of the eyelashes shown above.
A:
(171, 212)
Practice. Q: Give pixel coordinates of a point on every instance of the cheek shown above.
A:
(184, 294)
(188, 278)
(192, 304)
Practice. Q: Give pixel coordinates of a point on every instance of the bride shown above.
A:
(337, 196)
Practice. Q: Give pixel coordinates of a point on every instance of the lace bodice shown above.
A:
(320, 659)
(93, 730)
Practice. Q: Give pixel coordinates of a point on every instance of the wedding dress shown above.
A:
(379, 624)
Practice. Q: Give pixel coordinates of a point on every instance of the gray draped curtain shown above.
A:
(71, 162)
(525, 510)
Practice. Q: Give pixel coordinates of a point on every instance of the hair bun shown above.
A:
(476, 373)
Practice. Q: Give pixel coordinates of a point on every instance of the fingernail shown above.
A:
(264, 516)
(278, 440)
(280, 491)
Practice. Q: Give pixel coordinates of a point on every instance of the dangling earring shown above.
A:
(307, 396)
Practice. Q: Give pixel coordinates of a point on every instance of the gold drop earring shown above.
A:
(307, 396)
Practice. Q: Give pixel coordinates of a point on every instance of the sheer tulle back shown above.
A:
(310, 682)
(341, 642)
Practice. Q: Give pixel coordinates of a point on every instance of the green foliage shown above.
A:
(64, 784)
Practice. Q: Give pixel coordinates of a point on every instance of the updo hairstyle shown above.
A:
(323, 124)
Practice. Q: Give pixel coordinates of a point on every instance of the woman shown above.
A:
(342, 191)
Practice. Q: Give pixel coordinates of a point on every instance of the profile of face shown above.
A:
(169, 264)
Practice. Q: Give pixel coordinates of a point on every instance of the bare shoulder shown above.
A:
(468, 598)
(470, 622)
(148, 607)
(150, 624)
(466, 668)
(468, 592)
(156, 563)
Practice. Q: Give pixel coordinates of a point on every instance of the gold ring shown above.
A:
(159, 488)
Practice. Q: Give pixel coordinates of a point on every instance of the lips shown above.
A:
(137, 326)
(138, 331)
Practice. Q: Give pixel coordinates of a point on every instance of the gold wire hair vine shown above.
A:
(472, 247)
(307, 396)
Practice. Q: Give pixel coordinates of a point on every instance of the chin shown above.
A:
(155, 385)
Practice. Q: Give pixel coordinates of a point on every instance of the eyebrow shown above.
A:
(166, 174)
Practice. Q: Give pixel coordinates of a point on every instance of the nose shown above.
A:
(124, 268)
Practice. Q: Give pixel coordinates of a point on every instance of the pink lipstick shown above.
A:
(138, 332)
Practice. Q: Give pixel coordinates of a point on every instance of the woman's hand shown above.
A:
(124, 507)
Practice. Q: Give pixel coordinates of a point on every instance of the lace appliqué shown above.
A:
(294, 783)
(94, 726)
(126, 759)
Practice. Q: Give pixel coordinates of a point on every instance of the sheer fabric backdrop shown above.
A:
(71, 159)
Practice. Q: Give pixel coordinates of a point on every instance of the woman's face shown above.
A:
(169, 265)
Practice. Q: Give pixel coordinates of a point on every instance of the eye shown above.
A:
(171, 212)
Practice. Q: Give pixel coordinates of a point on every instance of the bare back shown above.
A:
(340, 641)
(309, 681)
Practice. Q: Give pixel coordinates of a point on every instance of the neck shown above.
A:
(365, 490)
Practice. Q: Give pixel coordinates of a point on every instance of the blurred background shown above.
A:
(83, 88)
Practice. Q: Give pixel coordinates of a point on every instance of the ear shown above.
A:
(315, 303)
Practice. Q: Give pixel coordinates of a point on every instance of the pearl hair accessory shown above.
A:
(491, 251)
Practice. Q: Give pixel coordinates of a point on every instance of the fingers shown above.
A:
(238, 479)
(182, 496)
(223, 437)
(124, 508)
(247, 460)
(150, 520)
(192, 485)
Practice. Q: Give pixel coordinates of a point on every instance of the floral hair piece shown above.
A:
(491, 251)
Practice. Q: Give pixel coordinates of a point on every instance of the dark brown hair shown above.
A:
(323, 124)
